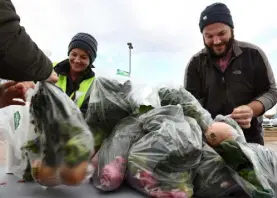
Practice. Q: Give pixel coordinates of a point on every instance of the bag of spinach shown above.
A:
(160, 163)
(61, 142)
(107, 106)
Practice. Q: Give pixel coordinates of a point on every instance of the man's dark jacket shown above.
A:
(20, 57)
(248, 77)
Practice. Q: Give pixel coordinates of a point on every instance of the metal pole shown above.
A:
(130, 55)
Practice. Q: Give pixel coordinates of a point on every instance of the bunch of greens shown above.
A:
(161, 162)
(61, 135)
(191, 107)
(242, 165)
(213, 178)
(107, 106)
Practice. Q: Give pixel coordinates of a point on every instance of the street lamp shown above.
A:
(130, 48)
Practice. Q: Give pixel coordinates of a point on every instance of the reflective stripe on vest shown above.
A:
(54, 64)
(84, 87)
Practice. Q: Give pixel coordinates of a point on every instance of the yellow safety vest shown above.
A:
(54, 63)
(84, 87)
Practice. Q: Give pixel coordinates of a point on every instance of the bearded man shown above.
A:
(231, 77)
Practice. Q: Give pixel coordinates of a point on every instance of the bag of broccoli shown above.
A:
(160, 163)
(113, 154)
(107, 106)
(60, 143)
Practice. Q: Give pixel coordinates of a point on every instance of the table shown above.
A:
(13, 189)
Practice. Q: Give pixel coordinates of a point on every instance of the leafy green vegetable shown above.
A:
(32, 146)
(191, 107)
(62, 135)
(233, 155)
(27, 176)
(168, 152)
(107, 106)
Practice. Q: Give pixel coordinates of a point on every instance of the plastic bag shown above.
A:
(107, 106)
(16, 130)
(113, 154)
(213, 178)
(238, 134)
(191, 106)
(252, 166)
(160, 164)
(143, 95)
(15, 125)
(60, 143)
(223, 128)
(156, 96)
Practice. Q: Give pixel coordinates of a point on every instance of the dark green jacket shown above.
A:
(20, 57)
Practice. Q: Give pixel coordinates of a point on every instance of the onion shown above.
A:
(44, 175)
(72, 176)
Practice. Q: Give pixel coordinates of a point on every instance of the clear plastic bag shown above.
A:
(143, 95)
(252, 166)
(60, 142)
(107, 106)
(191, 107)
(265, 163)
(15, 125)
(156, 96)
(238, 134)
(113, 154)
(160, 163)
(213, 178)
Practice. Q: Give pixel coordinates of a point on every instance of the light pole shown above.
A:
(130, 48)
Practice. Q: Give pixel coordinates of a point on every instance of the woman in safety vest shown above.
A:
(75, 75)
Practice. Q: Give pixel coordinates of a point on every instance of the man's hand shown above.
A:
(10, 91)
(53, 77)
(243, 116)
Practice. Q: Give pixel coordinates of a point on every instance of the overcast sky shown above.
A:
(164, 33)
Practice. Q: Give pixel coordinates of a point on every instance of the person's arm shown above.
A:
(265, 86)
(192, 80)
(20, 57)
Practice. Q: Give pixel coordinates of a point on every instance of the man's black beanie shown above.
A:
(85, 42)
(217, 12)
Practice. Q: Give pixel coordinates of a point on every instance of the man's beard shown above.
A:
(228, 45)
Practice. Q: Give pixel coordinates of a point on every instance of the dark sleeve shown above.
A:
(264, 81)
(84, 107)
(20, 57)
(192, 80)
